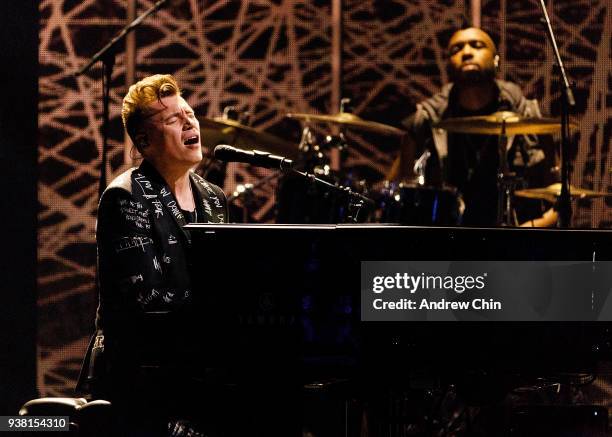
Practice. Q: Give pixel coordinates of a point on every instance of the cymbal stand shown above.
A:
(506, 183)
(354, 207)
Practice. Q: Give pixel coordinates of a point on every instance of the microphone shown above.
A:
(257, 158)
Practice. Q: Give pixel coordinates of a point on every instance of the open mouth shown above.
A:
(191, 140)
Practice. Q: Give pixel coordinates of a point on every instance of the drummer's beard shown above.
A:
(472, 77)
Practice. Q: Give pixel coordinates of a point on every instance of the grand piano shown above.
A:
(279, 313)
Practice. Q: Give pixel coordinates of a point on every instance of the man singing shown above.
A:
(145, 290)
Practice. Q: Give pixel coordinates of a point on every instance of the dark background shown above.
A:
(18, 205)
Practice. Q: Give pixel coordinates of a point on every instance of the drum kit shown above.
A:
(299, 200)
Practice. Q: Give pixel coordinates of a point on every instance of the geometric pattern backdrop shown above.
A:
(269, 57)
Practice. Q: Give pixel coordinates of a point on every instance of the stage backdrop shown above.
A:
(271, 57)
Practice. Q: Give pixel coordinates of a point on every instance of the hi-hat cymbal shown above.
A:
(350, 120)
(553, 191)
(222, 130)
(492, 124)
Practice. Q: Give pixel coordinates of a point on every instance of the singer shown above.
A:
(144, 284)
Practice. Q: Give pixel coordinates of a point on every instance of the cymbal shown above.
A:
(350, 120)
(220, 130)
(492, 124)
(553, 191)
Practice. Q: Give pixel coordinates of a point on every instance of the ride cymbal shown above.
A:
(553, 191)
(492, 124)
(220, 130)
(350, 120)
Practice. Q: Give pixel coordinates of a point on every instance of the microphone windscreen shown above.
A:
(223, 151)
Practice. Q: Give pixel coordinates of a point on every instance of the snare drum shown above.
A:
(413, 204)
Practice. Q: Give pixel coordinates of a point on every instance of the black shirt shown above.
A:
(471, 161)
(472, 166)
(190, 216)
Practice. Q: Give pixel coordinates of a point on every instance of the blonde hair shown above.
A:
(140, 96)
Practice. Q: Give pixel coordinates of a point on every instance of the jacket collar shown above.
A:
(157, 192)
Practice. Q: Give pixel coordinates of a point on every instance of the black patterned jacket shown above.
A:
(144, 277)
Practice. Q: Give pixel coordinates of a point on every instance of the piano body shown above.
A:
(278, 314)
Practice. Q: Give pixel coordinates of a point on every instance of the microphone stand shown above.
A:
(107, 55)
(356, 200)
(567, 101)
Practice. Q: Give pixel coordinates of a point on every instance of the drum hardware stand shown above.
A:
(419, 167)
(506, 215)
(344, 102)
(311, 155)
(506, 184)
(356, 200)
(228, 112)
(246, 192)
(336, 143)
(307, 141)
(354, 207)
(107, 55)
(339, 143)
(567, 101)
(232, 113)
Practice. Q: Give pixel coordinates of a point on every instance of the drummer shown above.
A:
(470, 162)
